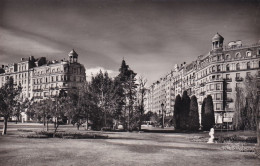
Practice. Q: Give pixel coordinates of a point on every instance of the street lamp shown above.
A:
(162, 116)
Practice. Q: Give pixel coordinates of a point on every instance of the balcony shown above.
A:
(38, 97)
(202, 84)
(228, 79)
(202, 93)
(238, 79)
(37, 90)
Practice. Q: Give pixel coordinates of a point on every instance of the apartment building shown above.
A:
(41, 79)
(217, 73)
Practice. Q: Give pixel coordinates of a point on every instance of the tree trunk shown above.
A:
(5, 126)
(44, 121)
(258, 131)
(47, 125)
(55, 122)
(78, 126)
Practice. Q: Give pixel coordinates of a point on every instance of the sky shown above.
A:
(150, 35)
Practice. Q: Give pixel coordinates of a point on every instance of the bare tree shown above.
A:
(141, 97)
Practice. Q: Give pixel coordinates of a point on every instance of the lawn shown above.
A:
(121, 148)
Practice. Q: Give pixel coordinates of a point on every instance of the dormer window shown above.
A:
(227, 56)
(238, 55)
(248, 53)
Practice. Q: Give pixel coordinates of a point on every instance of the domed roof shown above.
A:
(73, 54)
(217, 37)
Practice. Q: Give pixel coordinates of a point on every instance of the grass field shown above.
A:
(121, 148)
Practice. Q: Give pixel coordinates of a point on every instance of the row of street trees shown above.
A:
(186, 113)
(104, 102)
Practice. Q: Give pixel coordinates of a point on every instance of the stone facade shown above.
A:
(217, 73)
(41, 79)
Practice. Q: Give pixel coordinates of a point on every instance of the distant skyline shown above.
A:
(151, 35)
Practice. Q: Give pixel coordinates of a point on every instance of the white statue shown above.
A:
(211, 134)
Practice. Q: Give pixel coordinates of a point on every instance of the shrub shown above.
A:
(194, 123)
(257, 151)
(238, 147)
(185, 109)
(208, 114)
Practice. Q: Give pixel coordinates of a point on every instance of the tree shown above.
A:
(9, 95)
(147, 116)
(240, 120)
(73, 111)
(101, 87)
(247, 104)
(177, 111)
(208, 117)
(127, 93)
(141, 97)
(203, 113)
(185, 109)
(194, 123)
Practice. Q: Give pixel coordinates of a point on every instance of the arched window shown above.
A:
(238, 66)
(227, 56)
(248, 53)
(227, 67)
(218, 68)
(248, 65)
(238, 55)
(213, 68)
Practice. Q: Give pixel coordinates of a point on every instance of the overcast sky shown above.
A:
(151, 35)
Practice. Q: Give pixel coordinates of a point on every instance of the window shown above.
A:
(238, 75)
(227, 67)
(218, 106)
(213, 68)
(227, 56)
(238, 55)
(218, 86)
(248, 65)
(218, 96)
(248, 53)
(211, 87)
(218, 68)
(218, 77)
(238, 66)
(227, 76)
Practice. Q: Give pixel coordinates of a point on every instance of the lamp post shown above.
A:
(162, 116)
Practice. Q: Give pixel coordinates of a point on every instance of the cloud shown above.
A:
(94, 71)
